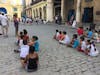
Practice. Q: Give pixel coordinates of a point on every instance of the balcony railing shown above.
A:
(36, 1)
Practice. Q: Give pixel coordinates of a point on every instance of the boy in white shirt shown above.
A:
(66, 39)
(82, 46)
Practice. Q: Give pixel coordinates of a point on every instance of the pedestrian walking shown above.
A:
(5, 25)
(0, 21)
(16, 24)
(59, 19)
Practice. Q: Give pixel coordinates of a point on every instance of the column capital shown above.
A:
(49, 1)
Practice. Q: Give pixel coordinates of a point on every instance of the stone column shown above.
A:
(63, 10)
(42, 13)
(78, 11)
(50, 10)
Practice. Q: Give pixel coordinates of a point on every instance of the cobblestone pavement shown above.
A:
(55, 59)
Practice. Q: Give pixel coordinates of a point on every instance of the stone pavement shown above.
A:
(55, 59)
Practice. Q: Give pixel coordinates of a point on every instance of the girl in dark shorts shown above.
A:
(31, 60)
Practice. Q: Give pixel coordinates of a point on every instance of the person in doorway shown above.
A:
(59, 20)
(56, 19)
(92, 26)
(16, 24)
(5, 25)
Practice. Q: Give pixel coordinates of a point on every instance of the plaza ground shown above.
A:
(54, 59)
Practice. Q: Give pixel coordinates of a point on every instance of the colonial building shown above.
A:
(82, 10)
(11, 7)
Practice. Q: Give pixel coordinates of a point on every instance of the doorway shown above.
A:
(88, 15)
(70, 14)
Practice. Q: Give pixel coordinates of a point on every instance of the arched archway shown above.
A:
(40, 12)
(3, 10)
(36, 12)
(34, 15)
(44, 9)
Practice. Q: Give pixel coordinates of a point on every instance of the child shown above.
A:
(20, 43)
(34, 42)
(56, 35)
(66, 39)
(96, 36)
(31, 60)
(80, 31)
(91, 49)
(74, 43)
(24, 51)
(19, 37)
(60, 35)
(90, 34)
(26, 37)
(82, 46)
(86, 32)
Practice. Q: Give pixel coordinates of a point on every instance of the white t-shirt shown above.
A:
(20, 42)
(67, 39)
(93, 52)
(83, 46)
(74, 24)
(57, 34)
(24, 51)
(4, 20)
(96, 36)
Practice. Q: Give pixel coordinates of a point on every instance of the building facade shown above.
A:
(82, 10)
(10, 7)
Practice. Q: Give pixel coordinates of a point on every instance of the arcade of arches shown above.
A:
(83, 11)
(47, 10)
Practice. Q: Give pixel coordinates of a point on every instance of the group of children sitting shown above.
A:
(89, 33)
(86, 46)
(28, 50)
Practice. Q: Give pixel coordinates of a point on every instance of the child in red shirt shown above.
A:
(80, 31)
(26, 37)
(60, 36)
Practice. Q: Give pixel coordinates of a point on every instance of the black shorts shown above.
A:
(21, 58)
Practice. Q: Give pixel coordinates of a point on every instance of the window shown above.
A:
(71, 2)
(88, 0)
(15, 9)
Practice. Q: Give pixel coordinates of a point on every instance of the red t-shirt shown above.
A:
(80, 31)
(26, 37)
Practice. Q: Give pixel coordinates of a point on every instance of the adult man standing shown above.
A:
(5, 24)
(0, 22)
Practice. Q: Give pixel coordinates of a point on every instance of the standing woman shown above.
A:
(16, 24)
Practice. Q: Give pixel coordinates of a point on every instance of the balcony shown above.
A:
(36, 1)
